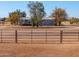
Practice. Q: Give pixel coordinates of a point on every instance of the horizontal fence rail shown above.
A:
(38, 37)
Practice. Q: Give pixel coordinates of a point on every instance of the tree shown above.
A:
(22, 14)
(36, 12)
(15, 16)
(59, 14)
(74, 20)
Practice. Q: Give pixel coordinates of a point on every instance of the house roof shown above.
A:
(28, 18)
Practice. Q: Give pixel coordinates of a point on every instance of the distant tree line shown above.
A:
(74, 20)
(37, 12)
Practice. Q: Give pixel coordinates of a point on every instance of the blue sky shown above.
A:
(71, 7)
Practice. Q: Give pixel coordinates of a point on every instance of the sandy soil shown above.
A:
(12, 49)
(21, 49)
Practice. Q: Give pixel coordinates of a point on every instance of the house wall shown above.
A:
(44, 22)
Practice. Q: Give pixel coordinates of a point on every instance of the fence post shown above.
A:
(15, 36)
(1, 36)
(46, 36)
(78, 35)
(61, 36)
(31, 36)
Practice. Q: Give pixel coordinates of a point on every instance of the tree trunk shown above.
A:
(37, 25)
(59, 23)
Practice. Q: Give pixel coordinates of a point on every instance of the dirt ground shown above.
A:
(42, 50)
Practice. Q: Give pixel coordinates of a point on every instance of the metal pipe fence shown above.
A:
(38, 37)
